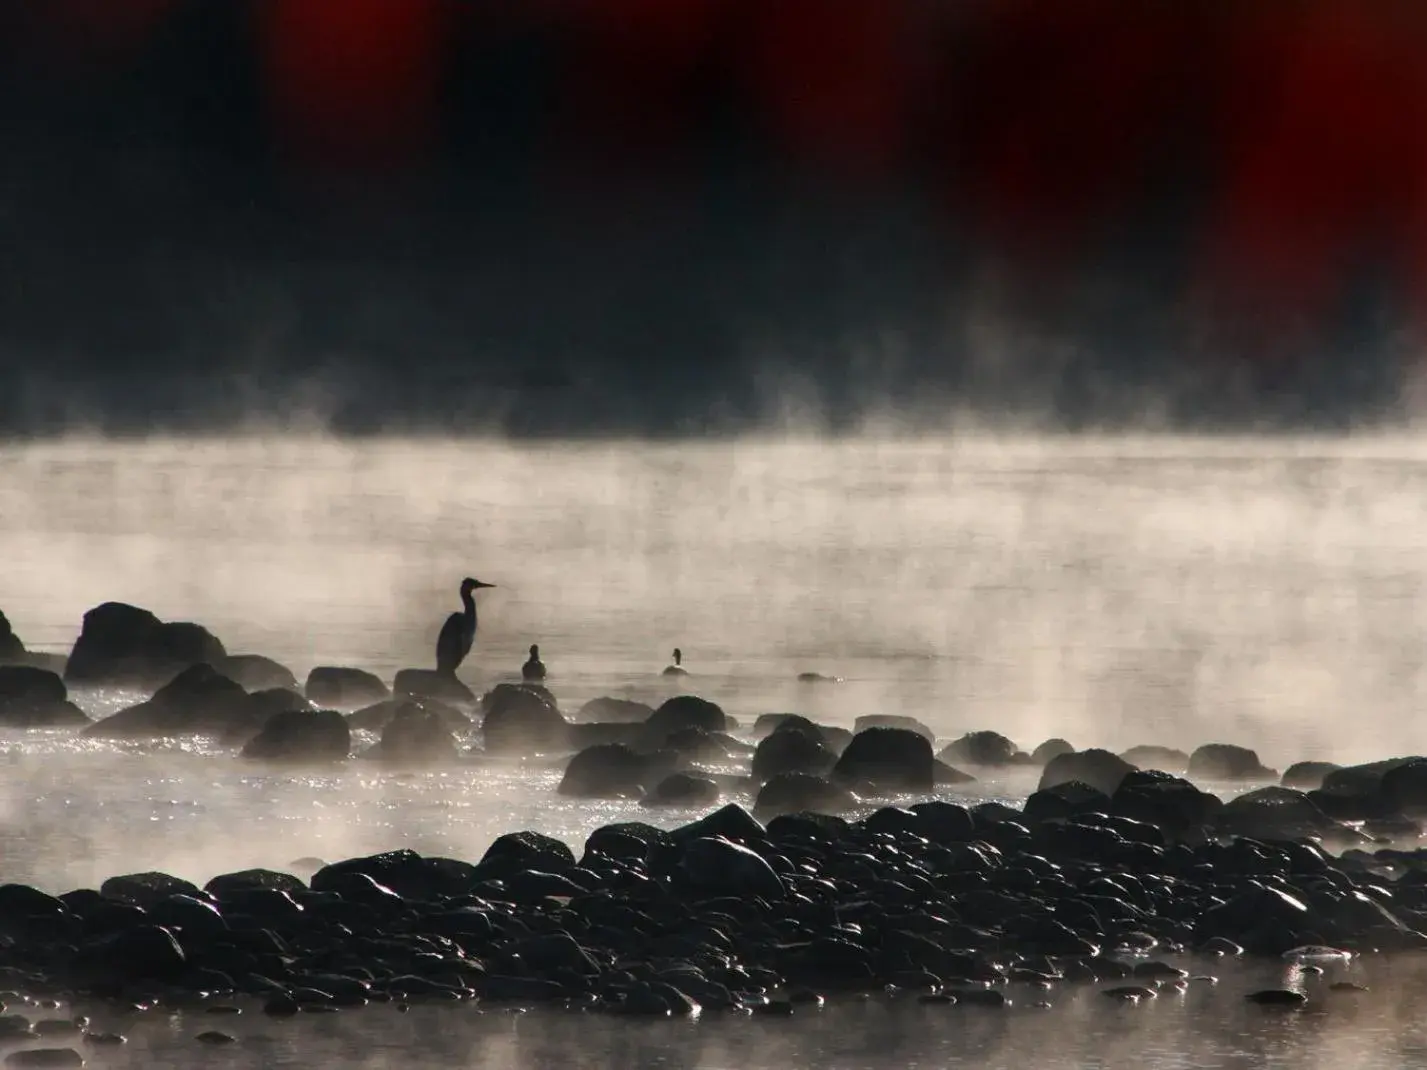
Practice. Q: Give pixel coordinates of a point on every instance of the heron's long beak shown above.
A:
(480, 584)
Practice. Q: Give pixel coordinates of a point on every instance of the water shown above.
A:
(1112, 591)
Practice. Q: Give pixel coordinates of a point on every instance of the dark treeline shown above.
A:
(640, 217)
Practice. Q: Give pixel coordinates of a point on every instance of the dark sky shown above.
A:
(566, 216)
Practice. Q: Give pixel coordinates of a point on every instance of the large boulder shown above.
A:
(1170, 803)
(36, 698)
(1305, 776)
(254, 672)
(121, 645)
(198, 701)
(1225, 761)
(1101, 769)
(522, 719)
(301, 736)
(1152, 756)
(614, 771)
(796, 793)
(415, 736)
(1051, 748)
(887, 759)
(375, 717)
(613, 711)
(339, 687)
(1273, 813)
(1060, 802)
(1405, 786)
(428, 683)
(892, 720)
(682, 789)
(792, 749)
(979, 748)
(684, 711)
(11, 649)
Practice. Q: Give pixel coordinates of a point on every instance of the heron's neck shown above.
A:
(470, 602)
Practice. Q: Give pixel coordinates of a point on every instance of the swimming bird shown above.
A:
(459, 631)
(534, 669)
(676, 669)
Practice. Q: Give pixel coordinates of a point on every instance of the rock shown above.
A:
(892, 759)
(947, 776)
(697, 745)
(892, 720)
(1224, 761)
(795, 793)
(47, 1058)
(124, 646)
(614, 711)
(198, 701)
(522, 719)
(145, 889)
(1051, 748)
(1173, 805)
(253, 672)
(681, 712)
(415, 737)
(614, 771)
(375, 717)
(979, 748)
(1150, 756)
(301, 736)
(336, 687)
(1098, 768)
(143, 953)
(1365, 779)
(1405, 786)
(714, 866)
(1273, 813)
(792, 749)
(428, 683)
(11, 649)
(593, 733)
(36, 698)
(226, 884)
(1305, 776)
(529, 850)
(1065, 800)
(682, 789)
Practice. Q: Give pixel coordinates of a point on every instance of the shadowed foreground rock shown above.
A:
(121, 645)
(964, 904)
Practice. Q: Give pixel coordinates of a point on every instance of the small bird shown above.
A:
(533, 670)
(676, 669)
(459, 631)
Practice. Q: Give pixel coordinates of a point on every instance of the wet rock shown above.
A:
(698, 745)
(428, 683)
(791, 748)
(143, 953)
(944, 822)
(528, 850)
(298, 736)
(121, 645)
(1277, 997)
(377, 716)
(791, 793)
(335, 686)
(892, 720)
(1170, 803)
(613, 771)
(11, 648)
(198, 701)
(1065, 800)
(681, 712)
(31, 697)
(614, 711)
(253, 672)
(714, 866)
(48, 1058)
(1273, 813)
(1224, 761)
(1151, 756)
(594, 733)
(1305, 776)
(1098, 768)
(980, 748)
(226, 884)
(682, 789)
(415, 736)
(892, 759)
(1051, 748)
(144, 889)
(946, 776)
(1405, 786)
(522, 719)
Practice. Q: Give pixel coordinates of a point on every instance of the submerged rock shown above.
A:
(338, 687)
(301, 736)
(415, 736)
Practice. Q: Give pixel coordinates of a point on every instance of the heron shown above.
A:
(459, 631)
(533, 671)
(676, 669)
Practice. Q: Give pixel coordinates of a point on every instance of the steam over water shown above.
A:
(1117, 591)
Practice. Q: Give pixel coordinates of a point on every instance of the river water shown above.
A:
(1113, 591)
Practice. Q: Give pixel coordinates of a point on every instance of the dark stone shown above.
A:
(1273, 813)
(415, 736)
(613, 770)
(122, 645)
(1065, 800)
(790, 793)
(1170, 803)
(792, 749)
(891, 759)
(614, 711)
(1224, 761)
(226, 883)
(684, 711)
(198, 701)
(1306, 776)
(529, 850)
(892, 720)
(731, 822)
(522, 719)
(377, 716)
(1150, 756)
(11, 648)
(944, 822)
(946, 776)
(1100, 769)
(682, 789)
(31, 697)
(713, 866)
(299, 736)
(143, 953)
(253, 672)
(428, 683)
(1051, 748)
(1405, 786)
(144, 889)
(334, 686)
(979, 748)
